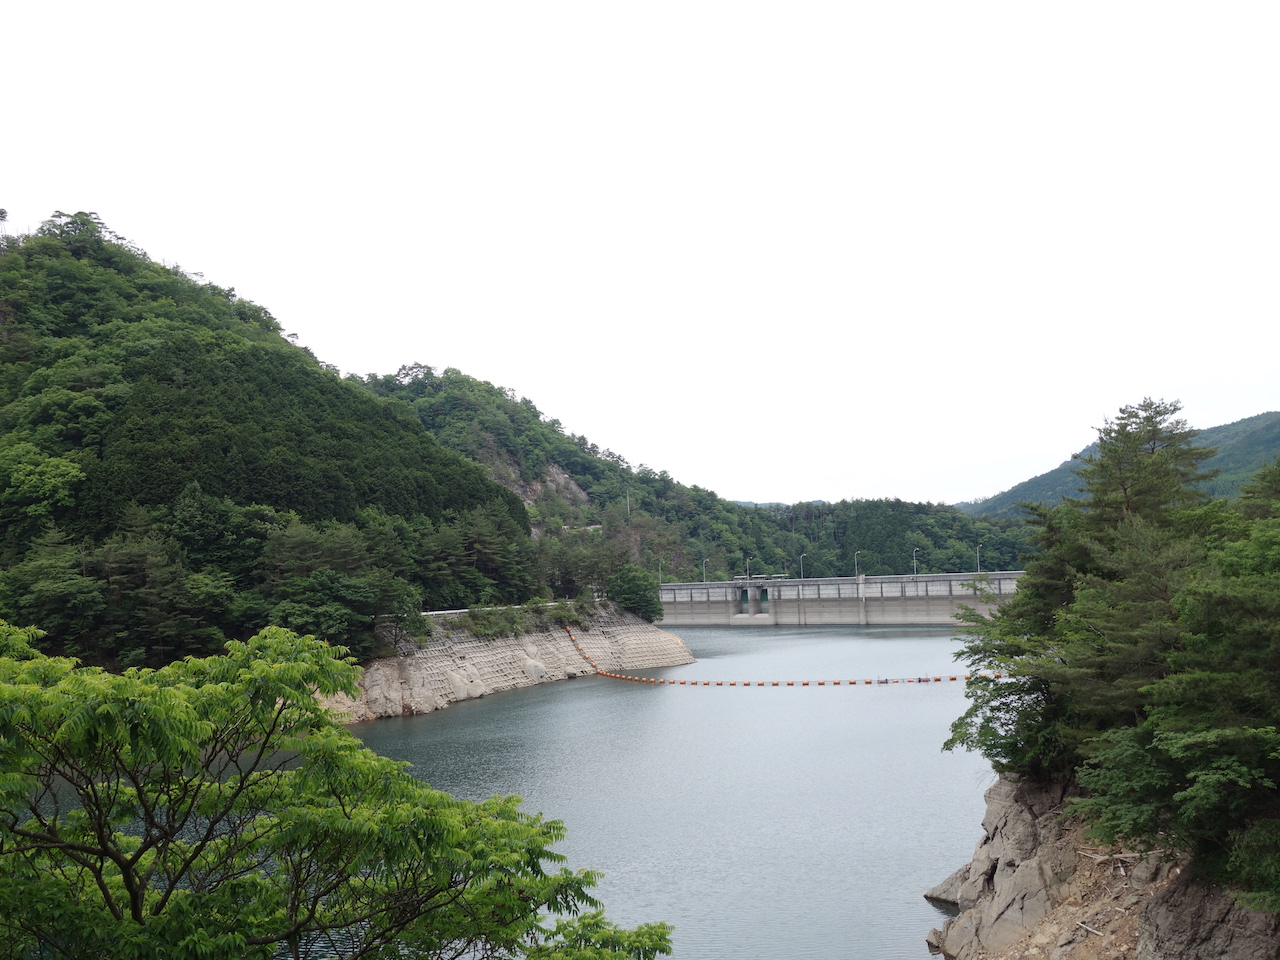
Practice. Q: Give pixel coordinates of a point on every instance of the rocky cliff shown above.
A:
(1037, 890)
(456, 666)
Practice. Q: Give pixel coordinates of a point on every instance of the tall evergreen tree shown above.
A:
(1141, 659)
(1145, 466)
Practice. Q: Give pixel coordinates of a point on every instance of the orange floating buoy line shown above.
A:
(585, 656)
(662, 681)
(771, 683)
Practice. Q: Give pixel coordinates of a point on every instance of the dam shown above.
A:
(923, 599)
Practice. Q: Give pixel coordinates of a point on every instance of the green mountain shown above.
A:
(591, 510)
(1243, 448)
(174, 472)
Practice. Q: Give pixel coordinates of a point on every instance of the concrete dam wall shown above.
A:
(925, 599)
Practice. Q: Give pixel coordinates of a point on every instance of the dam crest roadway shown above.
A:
(921, 599)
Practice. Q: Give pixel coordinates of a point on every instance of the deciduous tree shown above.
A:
(214, 809)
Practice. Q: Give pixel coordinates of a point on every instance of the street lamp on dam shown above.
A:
(914, 551)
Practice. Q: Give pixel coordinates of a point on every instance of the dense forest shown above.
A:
(591, 509)
(1140, 657)
(174, 472)
(178, 479)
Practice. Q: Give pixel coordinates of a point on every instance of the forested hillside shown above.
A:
(1242, 449)
(174, 472)
(592, 510)
(1141, 655)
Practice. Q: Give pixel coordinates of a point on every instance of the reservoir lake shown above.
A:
(765, 823)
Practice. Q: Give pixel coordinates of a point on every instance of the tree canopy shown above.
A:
(593, 511)
(635, 589)
(212, 808)
(174, 472)
(1141, 656)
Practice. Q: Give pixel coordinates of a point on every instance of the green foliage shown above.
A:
(1261, 497)
(212, 808)
(1144, 466)
(634, 589)
(596, 513)
(1142, 657)
(492, 623)
(174, 472)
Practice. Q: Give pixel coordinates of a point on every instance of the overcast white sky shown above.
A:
(785, 251)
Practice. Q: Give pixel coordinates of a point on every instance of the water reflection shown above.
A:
(765, 822)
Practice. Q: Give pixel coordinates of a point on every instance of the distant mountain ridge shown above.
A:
(1244, 447)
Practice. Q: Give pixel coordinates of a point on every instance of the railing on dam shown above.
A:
(932, 598)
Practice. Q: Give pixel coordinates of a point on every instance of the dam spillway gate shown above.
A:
(924, 599)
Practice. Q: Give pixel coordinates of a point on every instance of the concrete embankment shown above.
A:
(1037, 889)
(455, 666)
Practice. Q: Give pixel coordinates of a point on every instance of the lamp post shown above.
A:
(855, 563)
(802, 556)
(704, 569)
(914, 551)
(979, 557)
(748, 568)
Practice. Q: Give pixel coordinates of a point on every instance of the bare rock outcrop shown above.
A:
(457, 666)
(1191, 921)
(1036, 889)
(1018, 872)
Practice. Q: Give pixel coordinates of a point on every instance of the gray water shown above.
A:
(764, 823)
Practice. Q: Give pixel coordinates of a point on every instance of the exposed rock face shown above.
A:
(1191, 921)
(459, 666)
(1018, 872)
(1035, 890)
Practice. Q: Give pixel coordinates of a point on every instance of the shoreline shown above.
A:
(457, 666)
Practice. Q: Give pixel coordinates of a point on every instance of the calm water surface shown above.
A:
(763, 823)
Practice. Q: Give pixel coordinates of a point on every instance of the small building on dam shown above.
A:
(923, 599)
